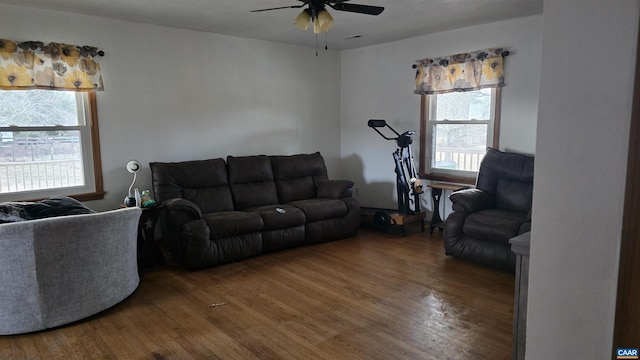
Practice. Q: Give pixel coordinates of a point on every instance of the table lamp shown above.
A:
(133, 167)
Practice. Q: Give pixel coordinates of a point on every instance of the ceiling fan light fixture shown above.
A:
(303, 20)
(323, 22)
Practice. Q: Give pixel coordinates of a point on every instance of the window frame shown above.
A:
(426, 141)
(92, 165)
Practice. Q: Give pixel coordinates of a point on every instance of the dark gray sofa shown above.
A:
(215, 212)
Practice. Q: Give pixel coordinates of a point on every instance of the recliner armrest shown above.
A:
(182, 205)
(471, 200)
(174, 214)
(334, 189)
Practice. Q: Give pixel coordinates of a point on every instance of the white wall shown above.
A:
(586, 84)
(173, 95)
(378, 83)
(223, 95)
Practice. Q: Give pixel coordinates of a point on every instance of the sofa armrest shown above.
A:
(334, 189)
(183, 206)
(471, 200)
(174, 214)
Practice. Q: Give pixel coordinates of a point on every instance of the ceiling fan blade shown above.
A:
(356, 8)
(361, 9)
(281, 7)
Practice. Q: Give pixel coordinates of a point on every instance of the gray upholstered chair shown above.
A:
(62, 269)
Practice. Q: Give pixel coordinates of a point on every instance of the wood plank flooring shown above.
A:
(375, 296)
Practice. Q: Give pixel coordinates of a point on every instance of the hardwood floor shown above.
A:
(375, 296)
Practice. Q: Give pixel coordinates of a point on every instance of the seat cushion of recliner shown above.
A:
(288, 216)
(231, 223)
(321, 209)
(493, 225)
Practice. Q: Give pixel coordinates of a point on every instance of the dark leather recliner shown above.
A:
(499, 208)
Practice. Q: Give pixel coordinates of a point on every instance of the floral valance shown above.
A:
(461, 72)
(54, 66)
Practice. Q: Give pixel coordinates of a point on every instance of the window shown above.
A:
(457, 128)
(49, 145)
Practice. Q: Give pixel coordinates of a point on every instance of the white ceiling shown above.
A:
(400, 19)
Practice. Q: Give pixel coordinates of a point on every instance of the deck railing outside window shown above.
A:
(28, 164)
(459, 159)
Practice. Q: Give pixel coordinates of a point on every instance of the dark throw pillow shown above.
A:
(11, 212)
(55, 206)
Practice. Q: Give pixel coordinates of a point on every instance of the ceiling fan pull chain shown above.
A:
(316, 44)
(326, 41)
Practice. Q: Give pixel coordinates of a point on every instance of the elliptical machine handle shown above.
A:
(375, 124)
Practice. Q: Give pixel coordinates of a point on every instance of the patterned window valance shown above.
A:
(54, 66)
(461, 72)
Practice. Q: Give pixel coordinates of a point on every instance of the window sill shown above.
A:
(449, 178)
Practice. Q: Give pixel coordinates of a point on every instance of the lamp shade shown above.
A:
(133, 166)
(302, 20)
(323, 23)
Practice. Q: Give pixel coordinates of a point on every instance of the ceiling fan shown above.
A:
(317, 13)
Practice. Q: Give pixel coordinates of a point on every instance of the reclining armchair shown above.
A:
(499, 208)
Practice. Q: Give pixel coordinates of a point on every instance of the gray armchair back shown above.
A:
(58, 270)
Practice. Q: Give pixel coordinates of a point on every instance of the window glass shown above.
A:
(459, 126)
(460, 146)
(45, 144)
(464, 105)
(38, 108)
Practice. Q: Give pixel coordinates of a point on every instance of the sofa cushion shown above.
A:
(251, 181)
(203, 182)
(224, 224)
(283, 238)
(296, 189)
(335, 189)
(321, 209)
(297, 177)
(274, 219)
(494, 225)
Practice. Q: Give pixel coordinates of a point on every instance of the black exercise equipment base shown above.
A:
(382, 219)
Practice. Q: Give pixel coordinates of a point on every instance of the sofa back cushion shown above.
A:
(203, 182)
(297, 176)
(508, 177)
(251, 181)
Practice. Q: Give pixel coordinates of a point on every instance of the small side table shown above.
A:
(437, 190)
(149, 253)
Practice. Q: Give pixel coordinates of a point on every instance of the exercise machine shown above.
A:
(408, 186)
